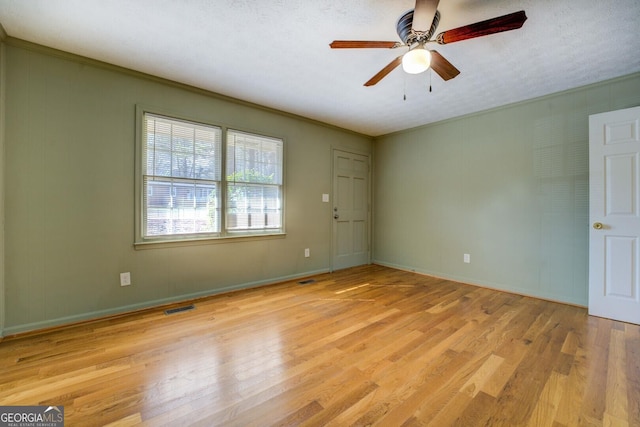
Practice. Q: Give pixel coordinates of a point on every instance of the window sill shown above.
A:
(160, 244)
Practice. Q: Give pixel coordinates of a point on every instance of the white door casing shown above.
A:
(350, 212)
(614, 211)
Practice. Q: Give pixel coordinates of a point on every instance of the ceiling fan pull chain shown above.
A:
(404, 88)
(430, 75)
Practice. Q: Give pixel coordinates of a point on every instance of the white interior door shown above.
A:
(350, 209)
(614, 192)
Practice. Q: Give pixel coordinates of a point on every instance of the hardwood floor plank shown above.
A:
(616, 405)
(495, 384)
(474, 384)
(597, 354)
(419, 397)
(365, 346)
(544, 413)
(131, 420)
(632, 353)
(476, 413)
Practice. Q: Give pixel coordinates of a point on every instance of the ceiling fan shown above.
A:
(417, 26)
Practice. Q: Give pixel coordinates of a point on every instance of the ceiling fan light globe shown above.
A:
(416, 61)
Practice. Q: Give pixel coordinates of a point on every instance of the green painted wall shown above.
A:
(69, 199)
(2, 108)
(508, 186)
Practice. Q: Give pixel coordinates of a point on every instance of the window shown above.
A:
(254, 182)
(183, 190)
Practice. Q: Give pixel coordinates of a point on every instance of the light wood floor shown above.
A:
(365, 346)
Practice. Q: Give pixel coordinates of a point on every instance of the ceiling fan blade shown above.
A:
(508, 22)
(444, 68)
(351, 44)
(386, 70)
(423, 14)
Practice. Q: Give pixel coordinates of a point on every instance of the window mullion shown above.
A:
(223, 184)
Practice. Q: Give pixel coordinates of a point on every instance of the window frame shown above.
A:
(141, 241)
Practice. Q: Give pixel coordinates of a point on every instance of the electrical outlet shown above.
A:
(307, 253)
(125, 279)
(467, 258)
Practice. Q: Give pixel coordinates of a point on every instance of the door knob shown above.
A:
(597, 225)
(336, 216)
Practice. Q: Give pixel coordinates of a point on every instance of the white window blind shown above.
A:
(253, 172)
(181, 175)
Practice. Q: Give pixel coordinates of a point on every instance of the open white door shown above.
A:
(614, 191)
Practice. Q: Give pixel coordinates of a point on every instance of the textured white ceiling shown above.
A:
(276, 53)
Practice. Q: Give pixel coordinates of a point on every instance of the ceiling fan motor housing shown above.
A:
(410, 36)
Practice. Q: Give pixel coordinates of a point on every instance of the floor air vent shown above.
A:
(306, 282)
(179, 309)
